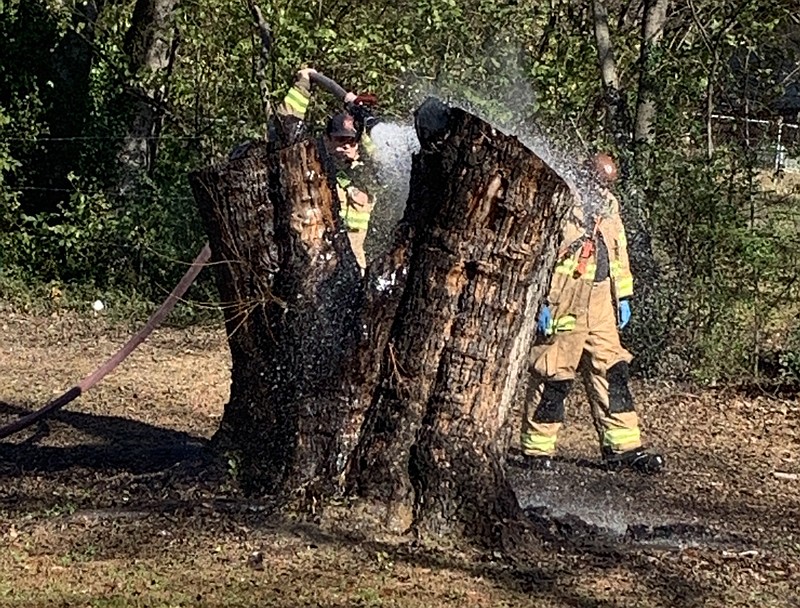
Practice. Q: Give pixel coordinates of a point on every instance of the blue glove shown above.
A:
(624, 313)
(544, 322)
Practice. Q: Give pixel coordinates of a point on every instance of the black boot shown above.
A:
(537, 463)
(637, 459)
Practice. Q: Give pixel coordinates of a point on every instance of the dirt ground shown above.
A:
(116, 500)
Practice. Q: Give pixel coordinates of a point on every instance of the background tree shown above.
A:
(151, 45)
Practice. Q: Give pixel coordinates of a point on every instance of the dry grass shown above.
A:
(117, 502)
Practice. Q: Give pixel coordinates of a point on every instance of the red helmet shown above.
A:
(605, 167)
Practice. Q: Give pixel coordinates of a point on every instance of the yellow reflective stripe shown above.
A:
(540, 444)
(622, 439)
(615, 267)
(622, 240)
(570, 266)
(567, 266)
(565, 323)
(623, 286)
(296, 101)
(354, 219)
(368, 145)
(343, 181)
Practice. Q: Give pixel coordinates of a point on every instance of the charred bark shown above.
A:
(396, 387)
(432, 447)
(290, 286)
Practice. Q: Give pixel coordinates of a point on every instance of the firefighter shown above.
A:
(578, 330)
(345, 139)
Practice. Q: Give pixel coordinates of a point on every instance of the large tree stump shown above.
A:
(406, 400)
(292, 291)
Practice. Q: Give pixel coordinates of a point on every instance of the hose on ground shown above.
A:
(101, 372)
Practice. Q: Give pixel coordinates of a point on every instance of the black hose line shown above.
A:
(330, 85)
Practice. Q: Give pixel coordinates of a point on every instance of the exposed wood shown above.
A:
(432, 446)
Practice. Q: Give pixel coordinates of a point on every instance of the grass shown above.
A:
(121, 305)
(99, 507)
(197, 574)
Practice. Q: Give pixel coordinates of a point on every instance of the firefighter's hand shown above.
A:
(350, 97)
(544, 322)
(303, 78)
(624, 313)
(358, 198)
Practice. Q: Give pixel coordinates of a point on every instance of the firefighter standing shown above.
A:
(344, 139)
(578, 327)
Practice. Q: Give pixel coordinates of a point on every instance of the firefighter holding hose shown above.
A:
(346, 140)
(578, 330)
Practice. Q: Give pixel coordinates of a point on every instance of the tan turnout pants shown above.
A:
(357, 238)
(593, 347)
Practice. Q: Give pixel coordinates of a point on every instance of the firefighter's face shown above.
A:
(344, 149)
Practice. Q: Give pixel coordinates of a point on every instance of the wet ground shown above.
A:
(117, 501)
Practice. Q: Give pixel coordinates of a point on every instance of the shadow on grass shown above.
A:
(76, 461)
(134, 488)
(90, 441)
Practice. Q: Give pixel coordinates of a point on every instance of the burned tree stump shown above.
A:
(432, 448)
(405, 404)
(290, 282)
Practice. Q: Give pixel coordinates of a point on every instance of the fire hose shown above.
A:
(361, 108)
(101, 372)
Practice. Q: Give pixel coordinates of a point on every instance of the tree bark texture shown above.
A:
(396, 387)
(655, 16)
(291, 289)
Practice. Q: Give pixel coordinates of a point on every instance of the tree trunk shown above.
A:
(655, 16)
(648, 334)
(150, 44)
(403, 393)
(615, 101)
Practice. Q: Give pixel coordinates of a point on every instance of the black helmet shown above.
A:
(343, 125)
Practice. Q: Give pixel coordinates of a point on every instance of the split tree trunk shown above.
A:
(396, 388)
(432, 448)
(290, 287)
